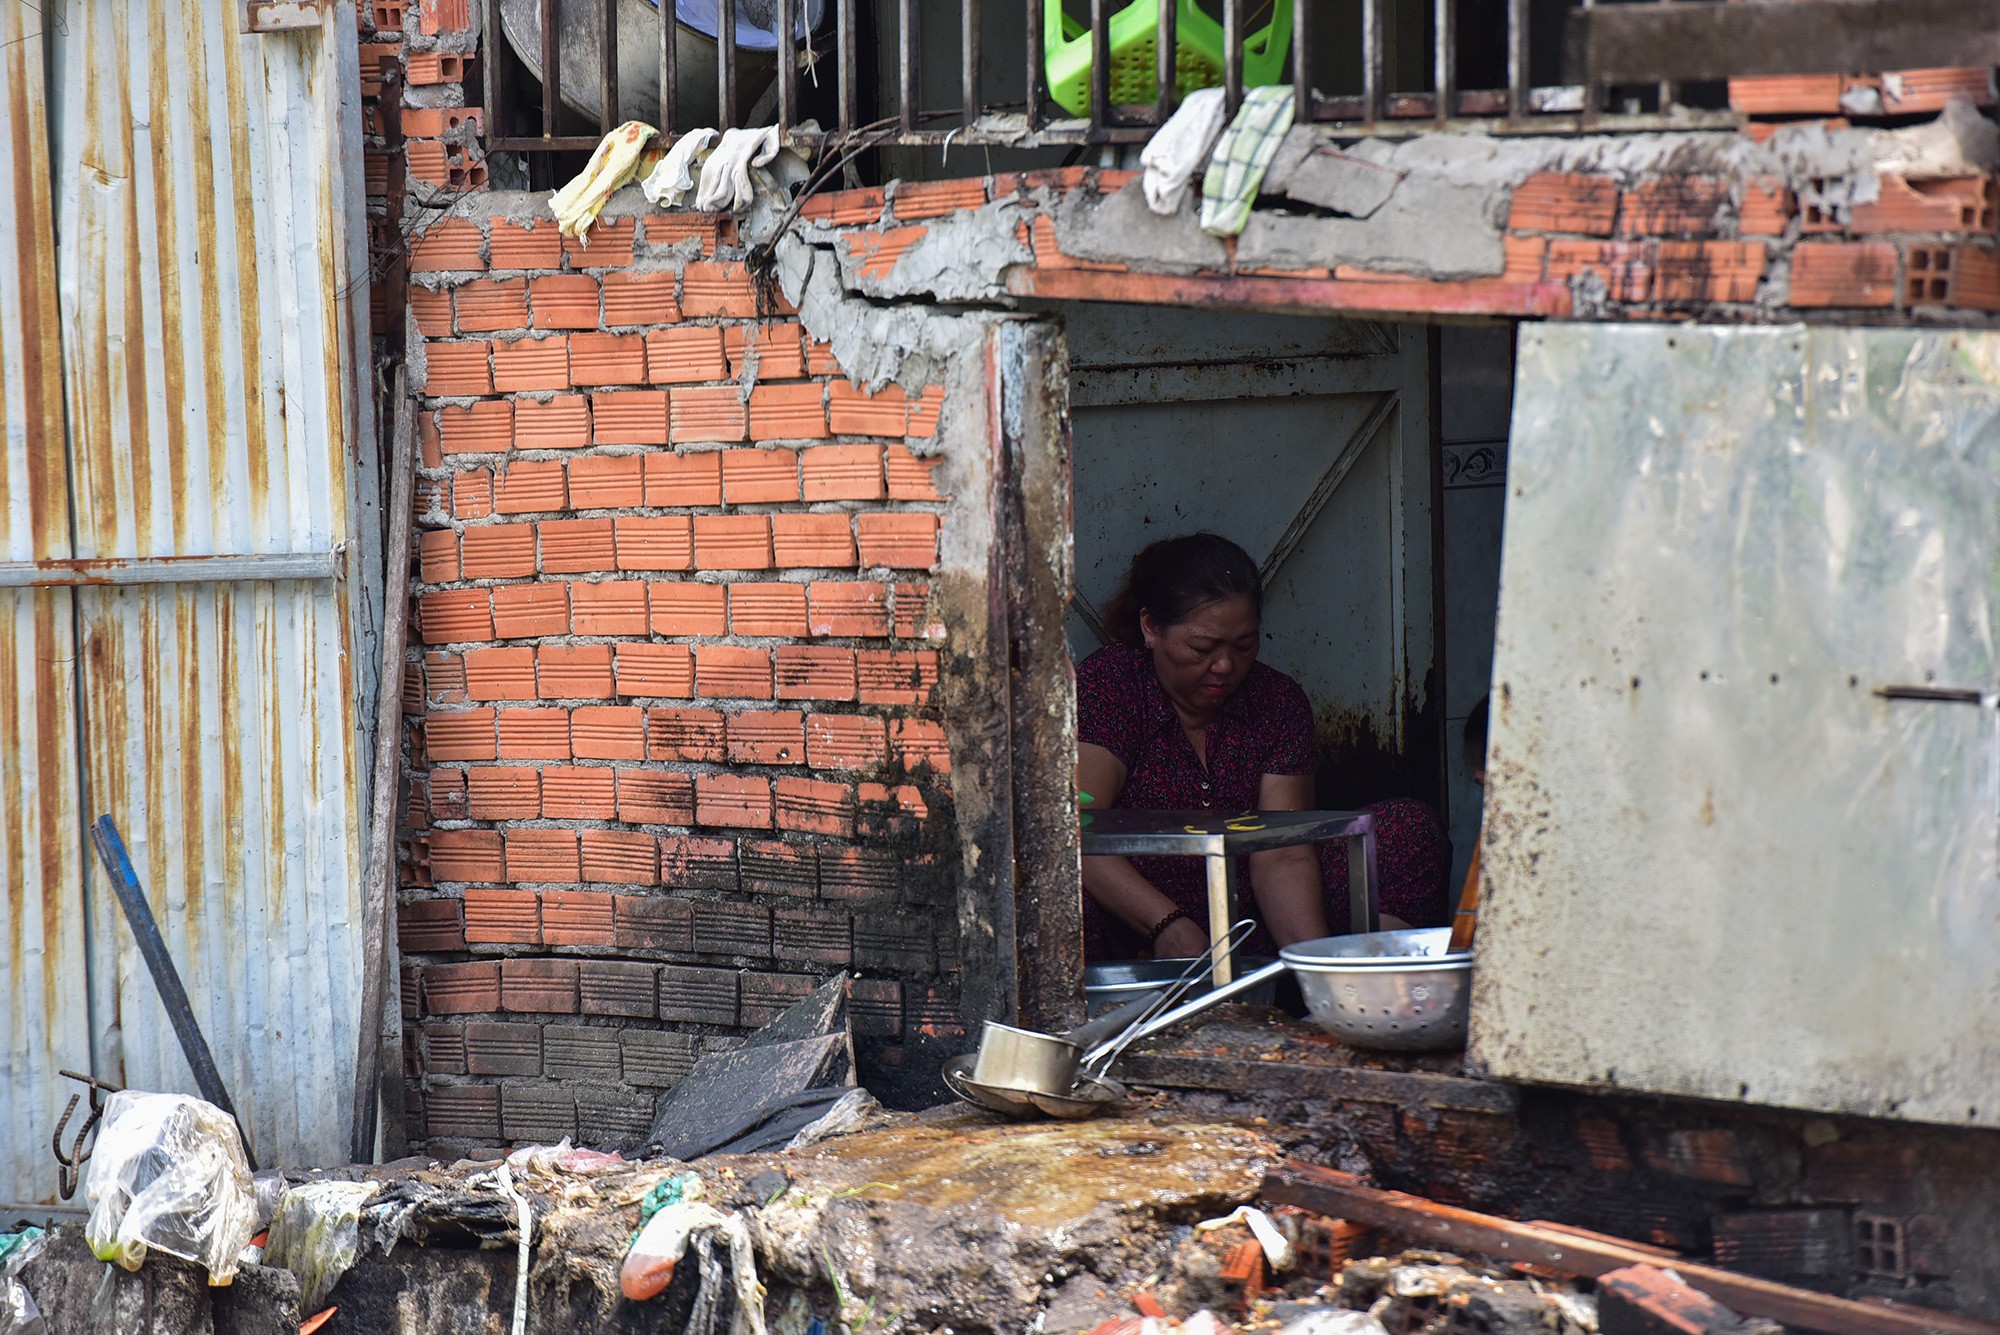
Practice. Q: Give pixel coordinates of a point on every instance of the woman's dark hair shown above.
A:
(1174, 576)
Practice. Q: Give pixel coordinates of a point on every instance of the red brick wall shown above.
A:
(675, 748)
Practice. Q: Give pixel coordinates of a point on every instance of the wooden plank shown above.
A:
(1708, 40)
(378, 956)
(1343, 1196)
(1402, 1089)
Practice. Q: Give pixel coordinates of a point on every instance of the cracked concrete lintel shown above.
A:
(1429, 226)
(1120, 229)
(961, 257)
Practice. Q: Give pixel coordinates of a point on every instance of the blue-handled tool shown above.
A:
(139, 914)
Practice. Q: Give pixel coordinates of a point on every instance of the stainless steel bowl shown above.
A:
(1401, 991)
(1107, 985)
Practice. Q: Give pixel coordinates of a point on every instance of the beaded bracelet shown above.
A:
(1178, 915)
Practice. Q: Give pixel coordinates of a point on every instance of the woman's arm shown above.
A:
(1114, 882)
(1286, 880)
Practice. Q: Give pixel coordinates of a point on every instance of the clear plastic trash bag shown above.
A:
(168, 1173)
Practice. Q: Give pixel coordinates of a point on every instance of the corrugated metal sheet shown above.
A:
(44, 1011)
(212, 280)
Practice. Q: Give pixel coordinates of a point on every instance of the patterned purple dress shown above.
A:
(1264, 728)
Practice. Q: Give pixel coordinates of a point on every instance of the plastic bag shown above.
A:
(18, 1313)
(168, 1172)
(316, 1234)
(1335, 1321)
(855, 1110)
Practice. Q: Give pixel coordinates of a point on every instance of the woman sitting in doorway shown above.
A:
(1177, 714)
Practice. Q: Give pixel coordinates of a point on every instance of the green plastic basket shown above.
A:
(1198, 61)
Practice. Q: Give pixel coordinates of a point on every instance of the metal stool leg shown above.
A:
(1220, 915)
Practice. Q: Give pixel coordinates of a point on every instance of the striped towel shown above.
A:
(1241, 157)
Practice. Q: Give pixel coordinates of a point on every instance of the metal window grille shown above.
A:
(1032, 119)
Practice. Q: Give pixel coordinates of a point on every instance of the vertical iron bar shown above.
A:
(788, 66)
(607, 72)
(1302, 79)
(968, 42)
(1669, 90)
(1232, 54)
(1100, 65)
(1444, 74)
(1037, 58)
(1593, 91)
(1517, 59)
(725, 63)
(906, 59)
(551, 71)
(496, 128)
(849, 79)
(669, 67)
(1371, 60)
(1166, 53)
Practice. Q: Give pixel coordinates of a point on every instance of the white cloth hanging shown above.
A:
(673, 179)
(1180, 149)
(725, 176)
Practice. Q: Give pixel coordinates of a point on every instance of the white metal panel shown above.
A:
(1717, 864)
(213, 287)
(44, 1003)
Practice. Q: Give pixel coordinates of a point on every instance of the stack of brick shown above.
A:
(677, 751)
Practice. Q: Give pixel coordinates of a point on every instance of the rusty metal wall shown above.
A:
(1717, 863)
(212, 286)
(44, 1010)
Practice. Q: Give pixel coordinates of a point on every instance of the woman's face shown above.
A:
(1202, 659)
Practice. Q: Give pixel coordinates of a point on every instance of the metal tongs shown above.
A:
(1099, 1059)
(1020, 1071)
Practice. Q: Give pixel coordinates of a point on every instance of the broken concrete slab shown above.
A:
(1120, 229)
(1313, 172)
(1429, 226)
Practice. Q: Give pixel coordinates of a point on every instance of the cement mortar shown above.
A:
(1120, 228)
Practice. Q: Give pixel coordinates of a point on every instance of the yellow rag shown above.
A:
(616, 162)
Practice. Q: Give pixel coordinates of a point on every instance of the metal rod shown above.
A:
(490, 72)
(230, 569)
(1302, 89)
(1371, 59)
(1100, 64)
(906, 62)
(378, 877)
(1219, 916)
(551, 70)
(968, 43)
(1362, 915)
(849, 76)
(725, 63)
(1166, 59)
(788, 65)
(1232, 54)
(1444, 72)
(160, 963)
(669, 67)
(607, 73)
(1517, 59)
(1037, 54)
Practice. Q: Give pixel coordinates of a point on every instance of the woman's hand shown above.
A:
(1182, 940)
